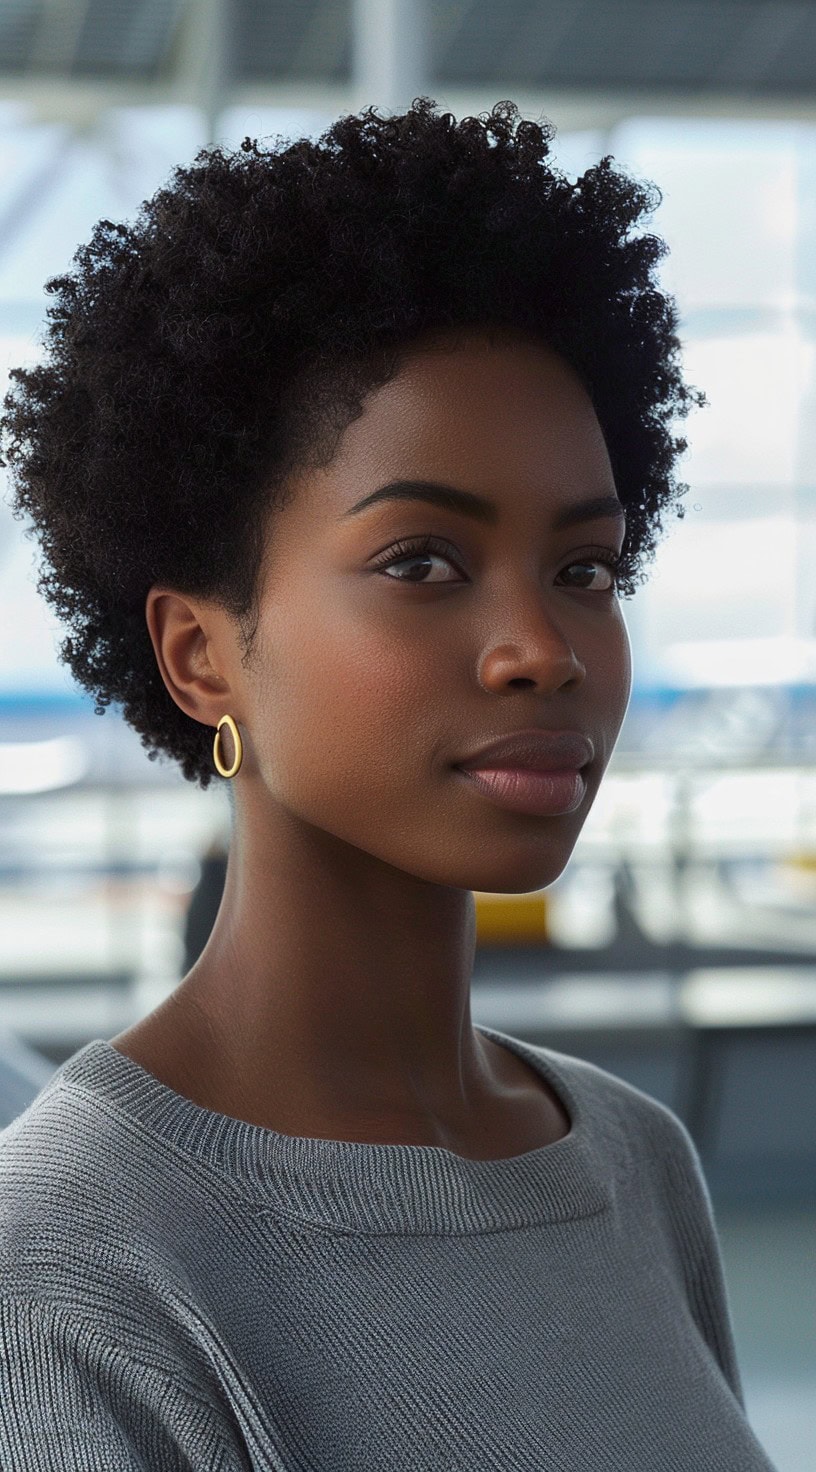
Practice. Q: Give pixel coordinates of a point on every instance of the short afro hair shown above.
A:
(198, 357)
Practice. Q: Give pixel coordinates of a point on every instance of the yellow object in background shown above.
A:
(797, 872)
(511, 919)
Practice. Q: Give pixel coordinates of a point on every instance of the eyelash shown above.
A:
(403, 551)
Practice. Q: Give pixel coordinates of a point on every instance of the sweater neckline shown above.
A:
(350, 1186)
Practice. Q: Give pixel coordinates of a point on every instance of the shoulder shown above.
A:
(63, 1158)
(650, 1145)
(610, 1097)
(628, 1125)
(80, 1205)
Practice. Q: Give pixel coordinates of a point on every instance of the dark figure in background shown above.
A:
(204, 903)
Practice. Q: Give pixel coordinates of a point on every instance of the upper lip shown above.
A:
(539, 750)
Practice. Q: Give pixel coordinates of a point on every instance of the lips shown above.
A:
(535, 750)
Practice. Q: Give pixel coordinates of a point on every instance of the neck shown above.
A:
(335, 987)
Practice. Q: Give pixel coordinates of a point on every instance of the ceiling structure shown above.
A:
(681, 54)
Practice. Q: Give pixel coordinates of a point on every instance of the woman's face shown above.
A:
(370, 683)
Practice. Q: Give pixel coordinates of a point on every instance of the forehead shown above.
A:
(481, 408)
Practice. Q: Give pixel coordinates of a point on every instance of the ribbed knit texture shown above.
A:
(183, 1290)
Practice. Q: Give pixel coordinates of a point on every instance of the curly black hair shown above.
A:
(199, 356)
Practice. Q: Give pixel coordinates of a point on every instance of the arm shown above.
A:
(72, 1402)
(697, 1231)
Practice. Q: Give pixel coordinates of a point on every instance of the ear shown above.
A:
(192, 641)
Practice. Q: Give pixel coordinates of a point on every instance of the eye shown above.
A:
(421, 551)
(598, 557)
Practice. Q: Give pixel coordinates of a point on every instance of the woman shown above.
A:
(341, 461)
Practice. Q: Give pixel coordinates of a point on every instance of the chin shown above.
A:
(521, 874)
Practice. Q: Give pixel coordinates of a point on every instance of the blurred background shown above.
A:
(678, 949)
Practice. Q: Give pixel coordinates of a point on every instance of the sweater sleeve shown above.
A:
(693, 1214)
(70, 1401)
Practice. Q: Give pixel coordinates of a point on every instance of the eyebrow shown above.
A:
(478, 507)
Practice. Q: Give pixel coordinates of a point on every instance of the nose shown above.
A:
(506, 667)
(545, 661)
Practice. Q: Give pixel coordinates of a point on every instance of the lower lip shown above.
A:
(525, 791)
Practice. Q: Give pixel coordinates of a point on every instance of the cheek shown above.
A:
(355, 714)
(617, 674)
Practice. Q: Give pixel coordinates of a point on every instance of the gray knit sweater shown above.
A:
(184, 1290)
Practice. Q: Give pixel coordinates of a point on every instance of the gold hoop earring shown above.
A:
(239, 747)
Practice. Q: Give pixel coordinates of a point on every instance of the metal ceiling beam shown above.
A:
(320, 49)
(389, 47)
(202, 74)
